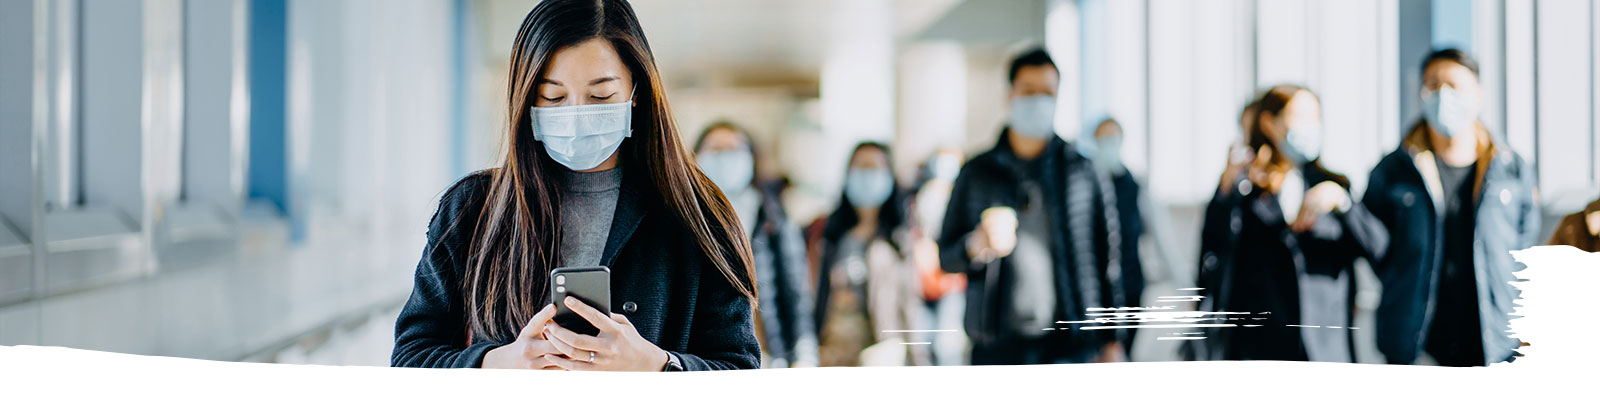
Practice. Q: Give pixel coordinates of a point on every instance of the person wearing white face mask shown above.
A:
(783, 321)
(1103, 146)
(1456, 203)
(1286, 249)
(866, 289)
(1029, 223)
(594, 174)
(942, 292)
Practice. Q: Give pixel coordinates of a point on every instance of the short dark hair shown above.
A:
(1452, 55)
(1034, 57)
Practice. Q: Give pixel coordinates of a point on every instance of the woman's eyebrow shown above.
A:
(597, 81)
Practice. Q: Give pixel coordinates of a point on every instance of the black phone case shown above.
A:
(591, 285)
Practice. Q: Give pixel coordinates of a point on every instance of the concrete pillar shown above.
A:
(857, 83)
(930, 102)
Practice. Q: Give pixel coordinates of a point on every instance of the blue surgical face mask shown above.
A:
(945, 167)
(1034, 116)
(731, 170)
(1108, 153)
(582, 137)
(1451, 113)
(1303, 143)
(868, 188)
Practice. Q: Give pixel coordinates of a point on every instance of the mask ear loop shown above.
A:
(633, 93)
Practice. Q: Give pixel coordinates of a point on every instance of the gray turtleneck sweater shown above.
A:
(588, 202)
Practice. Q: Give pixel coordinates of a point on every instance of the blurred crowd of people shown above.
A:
(986, 258)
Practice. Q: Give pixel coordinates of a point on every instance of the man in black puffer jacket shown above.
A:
(1029, 223)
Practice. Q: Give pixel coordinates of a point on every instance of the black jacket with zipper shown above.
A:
(779, 251)
(1131, 218)
(680, 302)
(1253, 263)
(1080, 203)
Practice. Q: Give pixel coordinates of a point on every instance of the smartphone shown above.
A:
(591, 285)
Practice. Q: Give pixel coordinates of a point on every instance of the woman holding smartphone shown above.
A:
(595, 174)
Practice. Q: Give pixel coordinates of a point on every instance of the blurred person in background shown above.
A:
(1217, 212)
(867, 293)
(1029, 223)
(933, 192)
(1289, 242)
(941, 291)
(1455, 203)
(1580, 229)
(1103, 146)
(1239, 152)
(783, 321)
(594, 174)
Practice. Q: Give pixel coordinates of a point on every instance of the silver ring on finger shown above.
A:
(591, 356)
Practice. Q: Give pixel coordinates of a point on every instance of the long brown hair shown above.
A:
(1271, 105)
(516, 241)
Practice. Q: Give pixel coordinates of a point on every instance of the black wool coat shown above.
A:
(660, 280)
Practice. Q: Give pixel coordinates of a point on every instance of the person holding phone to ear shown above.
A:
(595, 174)
(1283, 242)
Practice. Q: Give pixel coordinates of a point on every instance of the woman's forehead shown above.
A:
(1303, 102)
(868, 155)
(583, 63)
(724, 137)
(1447, 70)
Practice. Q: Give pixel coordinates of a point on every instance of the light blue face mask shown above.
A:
(1449, 112)
(945, 167)
(582, 137)
(1034, 116)
(731, 170)
(1108, 153)
(868, 188)
(1302, 144)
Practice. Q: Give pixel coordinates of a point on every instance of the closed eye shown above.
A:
(553, 100)
(607, 97)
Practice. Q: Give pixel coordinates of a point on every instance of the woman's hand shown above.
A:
(1239, 161)
(618, 346)
(530, 349)
(1261, 172)
(1323, 198)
